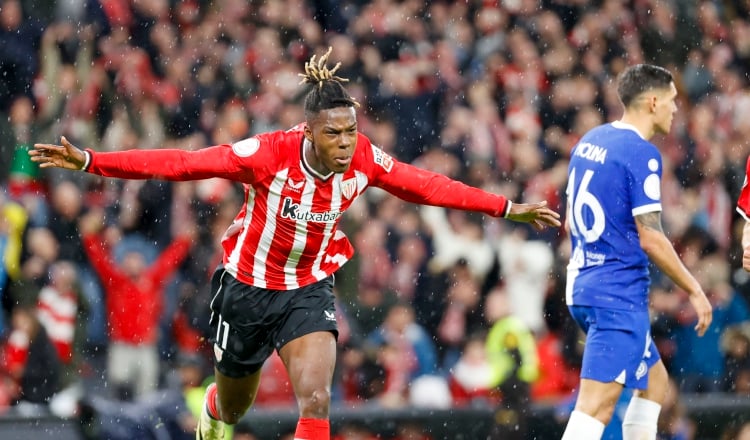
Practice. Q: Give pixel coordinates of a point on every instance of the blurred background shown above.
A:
(453, 325)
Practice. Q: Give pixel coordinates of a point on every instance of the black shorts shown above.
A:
(249, 322)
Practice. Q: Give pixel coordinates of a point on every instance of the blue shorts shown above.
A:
(619, 347)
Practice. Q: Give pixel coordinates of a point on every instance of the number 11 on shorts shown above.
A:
(222, 333)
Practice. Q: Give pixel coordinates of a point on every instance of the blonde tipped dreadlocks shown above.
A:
(329, 93)
(317, 72)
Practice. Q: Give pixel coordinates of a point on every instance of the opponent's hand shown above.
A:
(704, 311)
(536, 214)
(66, 156)
(746, 259)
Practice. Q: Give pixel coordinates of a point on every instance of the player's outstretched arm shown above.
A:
(66, 156)
(536, 214)
(661, 252)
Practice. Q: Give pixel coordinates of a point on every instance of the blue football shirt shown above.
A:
(614, 174)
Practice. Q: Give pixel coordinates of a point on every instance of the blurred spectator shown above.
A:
(134, 292)
(470, 377)
(62, 313)
(525, 265)
(511, 350)
(735, 344)
(29, 358)
(461, 312)
(19, 36)
(698, 363)
(13, 220)
(405, 351)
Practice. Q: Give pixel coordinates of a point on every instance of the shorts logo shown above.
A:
(218, 353)
(641, 371)
(330, 316)
(246, 147)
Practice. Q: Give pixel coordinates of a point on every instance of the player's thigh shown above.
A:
(658, 384)
(310, 361)
(598, 399)
(307, 340)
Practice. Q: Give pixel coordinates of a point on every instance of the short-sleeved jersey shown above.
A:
(286, 234)
(743, 202)
(614, 175)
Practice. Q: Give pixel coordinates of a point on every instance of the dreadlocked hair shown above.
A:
(327, 91)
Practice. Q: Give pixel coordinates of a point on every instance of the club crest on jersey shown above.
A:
(349, 187)
(246, 147)
(382, 158)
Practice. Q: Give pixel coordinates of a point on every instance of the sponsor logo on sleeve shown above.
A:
(382, 158)
(246, 147)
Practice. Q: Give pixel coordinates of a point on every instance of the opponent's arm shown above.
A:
(417, 185)
(661, 252)
(166, 164)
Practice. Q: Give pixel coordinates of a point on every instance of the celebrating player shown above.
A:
(614, 219)
(743, 207)
(274, 289)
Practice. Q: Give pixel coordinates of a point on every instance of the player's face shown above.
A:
(333, 133)
(665, 109)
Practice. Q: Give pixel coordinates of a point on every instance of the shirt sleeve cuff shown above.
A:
(87, 162)
(508, 204)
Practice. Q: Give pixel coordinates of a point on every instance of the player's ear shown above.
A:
(308, 132)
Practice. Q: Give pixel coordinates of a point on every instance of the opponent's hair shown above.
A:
(327, 91)
(639, 78)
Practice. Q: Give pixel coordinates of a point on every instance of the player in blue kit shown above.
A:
(614, 220)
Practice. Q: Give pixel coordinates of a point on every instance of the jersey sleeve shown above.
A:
(241, 161)
(743, 202)
(645, 173)
(417, 185)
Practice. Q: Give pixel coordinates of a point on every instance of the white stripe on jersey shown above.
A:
(300, 237)
(269, 230)
(335, 207)
(234, 257)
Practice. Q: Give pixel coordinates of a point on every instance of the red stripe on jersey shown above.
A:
(743, 202)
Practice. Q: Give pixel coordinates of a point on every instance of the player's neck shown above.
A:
(312, 159)
(642, 124)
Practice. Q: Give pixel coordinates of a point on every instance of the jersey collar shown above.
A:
(306, 166)
(623, 126)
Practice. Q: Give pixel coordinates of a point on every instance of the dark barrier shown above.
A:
(712, 413)
(46, 427)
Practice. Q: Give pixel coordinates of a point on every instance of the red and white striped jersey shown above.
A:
(286, 234)
(743, 203)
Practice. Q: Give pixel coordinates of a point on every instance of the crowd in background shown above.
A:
(104, 282)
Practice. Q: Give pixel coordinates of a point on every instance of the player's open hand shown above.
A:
(536, 214)
(66, 156)
(704, 311)
(746, 258)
